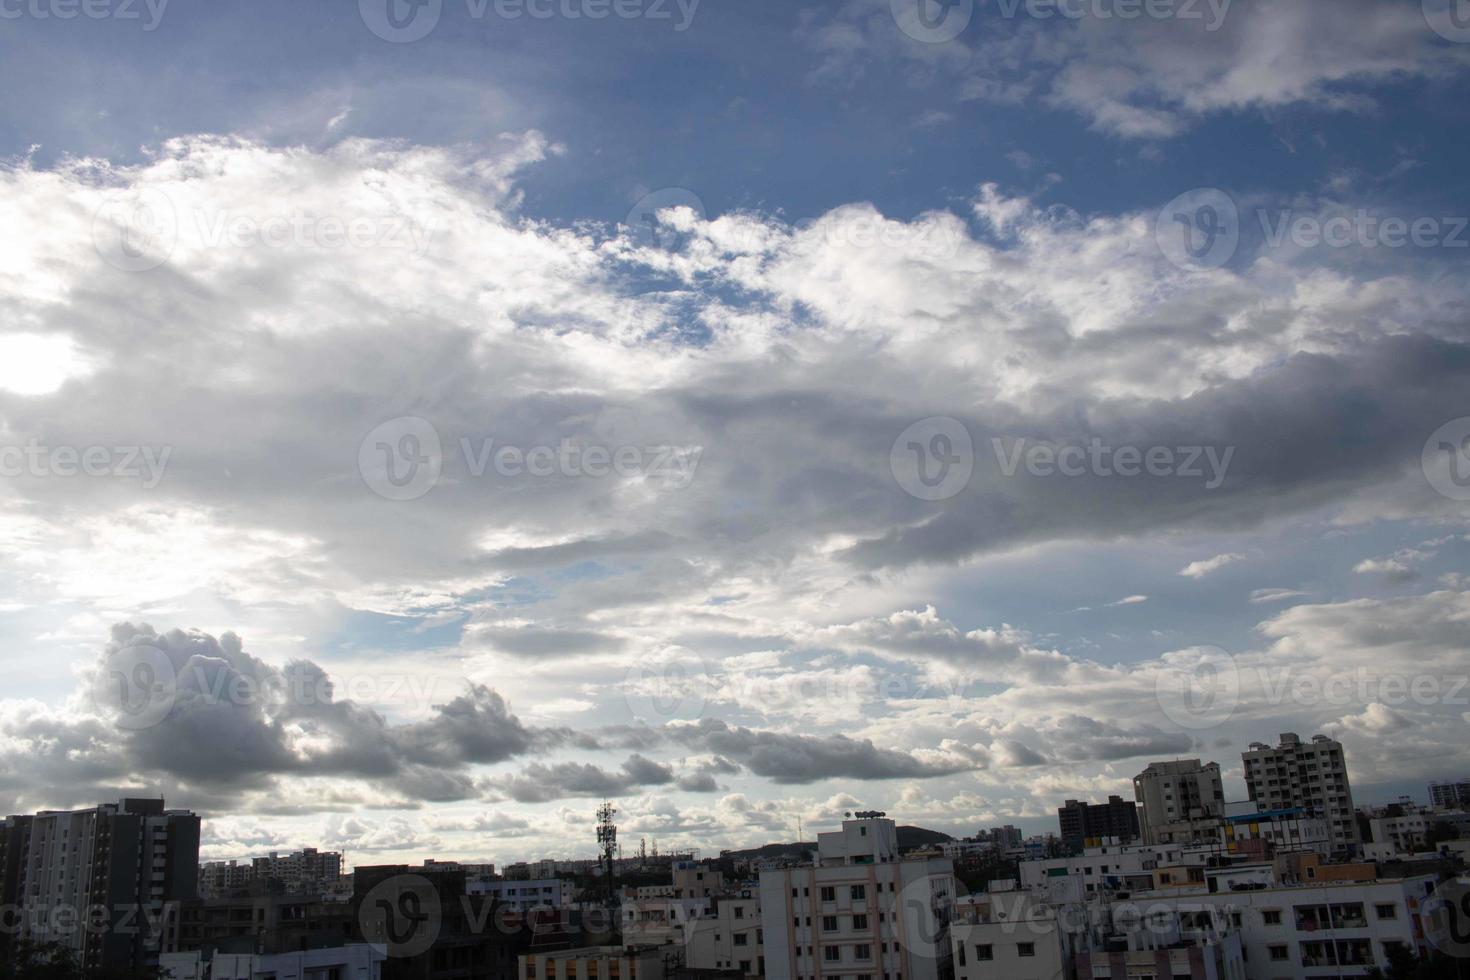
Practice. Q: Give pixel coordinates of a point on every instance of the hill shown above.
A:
(907, 837)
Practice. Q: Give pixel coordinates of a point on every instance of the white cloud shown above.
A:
(1199, 569)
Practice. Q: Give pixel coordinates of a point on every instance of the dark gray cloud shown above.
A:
(202, 713)
(542, 783)
(785, 758)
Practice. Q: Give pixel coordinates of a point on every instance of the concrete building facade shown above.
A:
(105, 882)
(1087, 824)
(1175, 794)
(1307, 775)
(860, 912)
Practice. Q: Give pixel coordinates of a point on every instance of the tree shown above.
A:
(30, 960)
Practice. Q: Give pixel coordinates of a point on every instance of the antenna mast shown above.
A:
(607, 844)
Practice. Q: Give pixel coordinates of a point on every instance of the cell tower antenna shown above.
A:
(607, 844)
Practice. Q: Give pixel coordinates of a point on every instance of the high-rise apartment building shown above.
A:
(1311, 775)
(1178, 794)
(1085, 824)
(1450, 796)
(304, 870)
(106, 882)
(860, 910)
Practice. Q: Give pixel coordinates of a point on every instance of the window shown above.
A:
(831, 953)
(1278, 952)
(829, 894)
(1271, 917)
(829, 923)
(1025, 949)
(863, 951)
(859, 892)
(742, 939)
(1386, 911)
(984, 952)
(860, 922)
(740, 911)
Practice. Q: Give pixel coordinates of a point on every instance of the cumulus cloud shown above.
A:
(793, 555)
(1149, 77)
(1199, 569)
(204, 714)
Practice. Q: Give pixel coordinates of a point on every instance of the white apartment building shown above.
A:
(730, 937)
(657, 921)
(299, 870)
(693, 880)
(960, 850)
(354, 961)
(522, 896)
(1291, 829)
(1450, 796)
(1111, 868)
(1160, 942)
(1010, 935)
(1311, 775)
(222, 877)
(1175, 796)
(1402, 830)
(1297, 932)
(860, 912)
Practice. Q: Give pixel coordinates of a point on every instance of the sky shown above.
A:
(421, 420)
